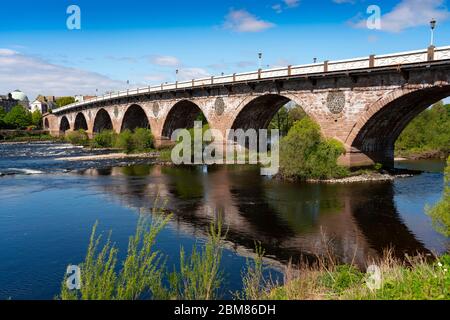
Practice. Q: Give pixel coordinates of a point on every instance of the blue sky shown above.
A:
(146, 41)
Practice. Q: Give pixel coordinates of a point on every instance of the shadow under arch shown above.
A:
(181, 116)
(387, 119)
(46, 124)
(102, 121)
(80, 122)
(259, 112)
(64, 124)
(135, 117)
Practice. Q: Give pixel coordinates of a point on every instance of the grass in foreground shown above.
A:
(415, 279)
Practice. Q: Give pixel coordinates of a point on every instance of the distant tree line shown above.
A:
(428, 133)
(20, 118)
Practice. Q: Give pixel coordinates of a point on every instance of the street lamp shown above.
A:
(433, 26)
(176, 75)
(315, 60)
(260, 59)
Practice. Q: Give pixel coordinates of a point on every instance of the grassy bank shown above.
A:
(25, 136)
(417, 278)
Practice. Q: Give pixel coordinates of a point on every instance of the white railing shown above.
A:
(402, 58)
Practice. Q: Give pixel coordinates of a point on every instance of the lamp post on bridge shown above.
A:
(433, 26)
(260, 60)
(176, 75)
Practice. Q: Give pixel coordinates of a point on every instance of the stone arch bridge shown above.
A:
(365, 102)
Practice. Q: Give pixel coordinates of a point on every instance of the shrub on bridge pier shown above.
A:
(104, 139)
(306, 154)
(138, 141)
(79, 138)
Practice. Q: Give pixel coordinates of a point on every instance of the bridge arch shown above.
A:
(102, 121)
(182, 115)
(259, 112)
(379, 127)
(64, 125)
(80, 122)
(135, 117)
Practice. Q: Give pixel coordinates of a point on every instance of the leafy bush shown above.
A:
(18, 118)
(305, 154)
(125, 141)
(63, 101)
(142, 139)
(138, 141)
(104, 139)
(79, 137)
(36, 119)
(440, 214)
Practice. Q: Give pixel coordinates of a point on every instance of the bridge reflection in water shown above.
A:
(360, 221)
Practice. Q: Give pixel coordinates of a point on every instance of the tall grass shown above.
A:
(199, 277)
(140, 275)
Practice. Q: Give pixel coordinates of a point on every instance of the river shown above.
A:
(48, 208)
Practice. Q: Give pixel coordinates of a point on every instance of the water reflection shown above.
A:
(290, 220)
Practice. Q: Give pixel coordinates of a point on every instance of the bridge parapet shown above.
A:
(431, 54)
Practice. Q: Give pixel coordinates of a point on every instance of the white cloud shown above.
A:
(166, 61)
(243, 21)
(186, 74)
(36, 76)
(278, 8)
(291, 3)
(411, 13)
(344, 1)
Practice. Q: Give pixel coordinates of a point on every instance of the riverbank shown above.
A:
(418, 278)
(423, 155)
(112, 156)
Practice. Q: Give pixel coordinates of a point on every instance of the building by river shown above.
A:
(9, 101)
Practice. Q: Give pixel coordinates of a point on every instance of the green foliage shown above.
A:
(253, 283)
(138, 141)
(428, 132)
(18, 118)
(143, 270)
(140, 275)
(342, 278)
(440, 214)
(125, 141)
(104, 139)
(305, 154)
(200, 277)
(36, 118)
(2, 116)
(142, 139)
(79, 137)
(64, 101)
(285, 119)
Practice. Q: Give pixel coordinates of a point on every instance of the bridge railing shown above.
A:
(387, 60)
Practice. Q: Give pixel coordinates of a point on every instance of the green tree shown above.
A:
(36, 118)
(2, 116)
(18, 118)
(64, 101)
(440, 214)
(305, 154)
(286, 117)
(428, 132)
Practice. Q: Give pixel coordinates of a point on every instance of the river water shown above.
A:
(48, 208)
